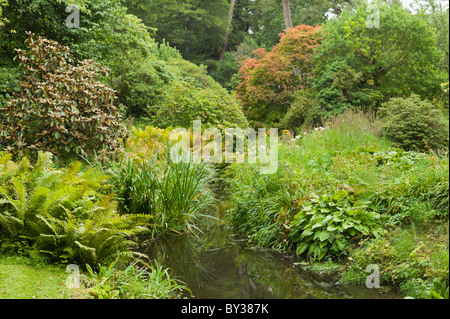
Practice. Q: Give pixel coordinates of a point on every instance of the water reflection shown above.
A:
(219, 265)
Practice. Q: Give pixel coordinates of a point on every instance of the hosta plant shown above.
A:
(329, 224)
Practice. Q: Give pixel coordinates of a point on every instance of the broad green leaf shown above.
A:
(347, 225)
(301, 248)
(307, 232)
(331, 228)
(316, 225)
(324, 235)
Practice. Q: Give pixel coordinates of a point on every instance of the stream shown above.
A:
(219, 264)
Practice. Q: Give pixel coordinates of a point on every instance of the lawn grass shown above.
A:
(21, 279)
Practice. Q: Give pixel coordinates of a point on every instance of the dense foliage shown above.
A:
(61, 108)
(361, 111)
(62, 213)
(269, 82)
(361, 66)
(338, 190)
(173, 196)
(184, 103)
(413, 124)
(326, 225)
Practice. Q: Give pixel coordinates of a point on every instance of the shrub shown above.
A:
(62, 213)
(141, 85)
(192, 74)
(9, 81)
(183, 103)
(414, 124)
(62, 108)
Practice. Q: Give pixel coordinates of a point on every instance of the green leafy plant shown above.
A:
(62, 108)
(9, 81)
(173, 195)
(138, 280)
(301, 111)
(439, 289)
(63, 213)
(101, 281)
(329, 223)
(183, 102)
(361, 67)
(142, 85)
(414, 124)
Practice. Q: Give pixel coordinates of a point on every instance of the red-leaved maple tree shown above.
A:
(269, 81)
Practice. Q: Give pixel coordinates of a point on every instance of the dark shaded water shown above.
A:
(220, 265)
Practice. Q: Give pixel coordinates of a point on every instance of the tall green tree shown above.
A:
(269, 81)
(195, 27)
(3, 3)
(227, 33)
(362, 66)
(246, 17)
(438, 15)
(272, 21)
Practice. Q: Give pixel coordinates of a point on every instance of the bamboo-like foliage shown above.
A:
(63, 212)
(174, 195)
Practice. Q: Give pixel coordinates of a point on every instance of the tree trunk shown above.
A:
(287, 13)
(227, 32)
(187, 45)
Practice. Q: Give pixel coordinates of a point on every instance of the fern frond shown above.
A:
(10, 223)
(89, 253)
(48, 224)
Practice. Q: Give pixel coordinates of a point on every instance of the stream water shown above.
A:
(219, 264)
